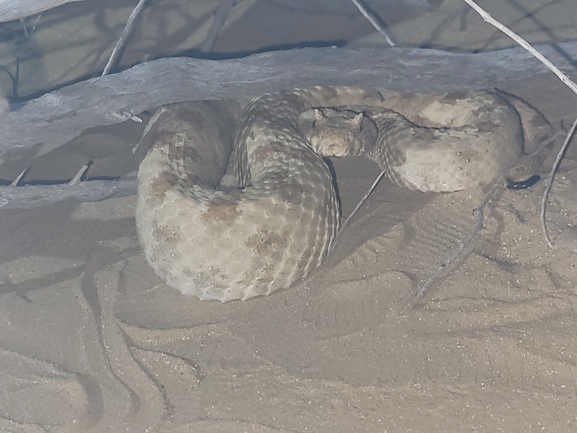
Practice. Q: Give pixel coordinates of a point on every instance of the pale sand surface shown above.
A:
(91, 340)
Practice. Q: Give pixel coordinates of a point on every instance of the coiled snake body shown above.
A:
(281, 218)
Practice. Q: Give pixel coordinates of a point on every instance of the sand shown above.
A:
(92, 340)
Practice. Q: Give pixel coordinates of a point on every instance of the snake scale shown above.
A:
(280, 217)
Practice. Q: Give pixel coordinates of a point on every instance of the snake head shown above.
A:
(332, 132)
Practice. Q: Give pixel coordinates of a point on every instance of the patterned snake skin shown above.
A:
(281, 218)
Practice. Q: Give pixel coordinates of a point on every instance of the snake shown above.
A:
(226, 237)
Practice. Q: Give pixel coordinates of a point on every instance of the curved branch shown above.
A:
(59, 116)
(14, 9)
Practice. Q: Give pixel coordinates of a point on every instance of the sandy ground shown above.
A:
(91, 340)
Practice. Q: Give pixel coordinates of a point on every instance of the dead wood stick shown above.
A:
(564, 78)
(14, 9)
(479, 210)
(219, 20)
(549, 184)
(59, 116)
(523, 43)
(464, 245)
(123, 37)
(31, 196)
(375, 21)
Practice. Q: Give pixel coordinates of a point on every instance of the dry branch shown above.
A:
(375, 21)
(31, 196)
(124, 36)
(63, 114)
(563, 77)
(14, 9)
(218, 22)
(59, 116)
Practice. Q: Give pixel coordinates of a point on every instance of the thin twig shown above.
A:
(16, 181)
(23, 24)
(11, 10)
(217, 23)
(125, 34)
(375, 21)
(522, 42)
(550, 181)
(358, 206)
(38, 18)
(564, 78)
(78, 176)
(33, 196)
(15, 196)
(542, 145)
(478, 212)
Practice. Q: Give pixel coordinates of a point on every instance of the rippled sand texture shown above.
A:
(92, 341)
